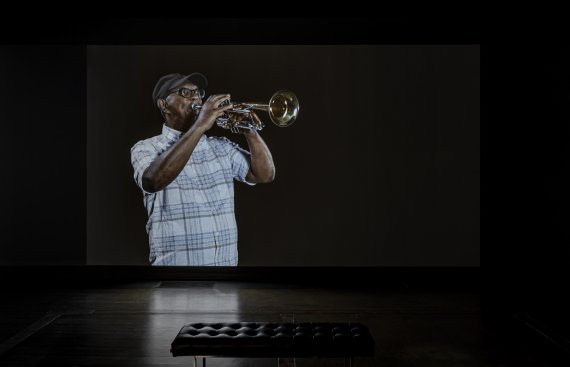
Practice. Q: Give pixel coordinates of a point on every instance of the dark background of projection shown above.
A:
(380, 169)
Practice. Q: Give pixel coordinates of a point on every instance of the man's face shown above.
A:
(181, 99)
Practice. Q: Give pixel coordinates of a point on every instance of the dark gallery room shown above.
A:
(284, 191)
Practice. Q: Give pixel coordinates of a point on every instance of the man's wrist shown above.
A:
(197, 129)
(250, 132)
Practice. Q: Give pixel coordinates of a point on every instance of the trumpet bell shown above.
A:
(283, 108)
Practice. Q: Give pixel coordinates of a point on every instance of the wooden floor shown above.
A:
(133, 324)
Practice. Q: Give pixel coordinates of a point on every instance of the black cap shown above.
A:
(168, 82)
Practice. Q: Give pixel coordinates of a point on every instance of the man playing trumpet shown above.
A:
(187, 177)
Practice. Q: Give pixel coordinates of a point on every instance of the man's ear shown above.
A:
(162, 104)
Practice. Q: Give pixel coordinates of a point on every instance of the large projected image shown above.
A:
(283, 155)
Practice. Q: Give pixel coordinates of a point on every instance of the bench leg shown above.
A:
(348, 362)
(196, 361)
(286, 362)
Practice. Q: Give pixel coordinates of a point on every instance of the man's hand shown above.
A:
(211, 110)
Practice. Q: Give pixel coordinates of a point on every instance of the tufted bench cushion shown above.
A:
(257, 339)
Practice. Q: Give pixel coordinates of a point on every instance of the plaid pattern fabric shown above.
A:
(192, 220)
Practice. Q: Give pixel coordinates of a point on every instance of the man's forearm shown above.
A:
(167, 166)
(262, 166)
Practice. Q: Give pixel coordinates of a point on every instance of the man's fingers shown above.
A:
(225, 108)
(217, 98)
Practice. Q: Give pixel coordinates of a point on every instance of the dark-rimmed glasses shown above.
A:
(189, 93)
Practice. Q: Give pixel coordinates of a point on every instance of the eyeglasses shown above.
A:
(189, 93)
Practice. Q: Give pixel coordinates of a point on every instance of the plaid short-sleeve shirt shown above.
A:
(192, 220)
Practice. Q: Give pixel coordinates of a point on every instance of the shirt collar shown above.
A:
(170, 134)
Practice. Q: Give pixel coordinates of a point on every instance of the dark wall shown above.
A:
(380, 169)
(525, 155)
(42, 155)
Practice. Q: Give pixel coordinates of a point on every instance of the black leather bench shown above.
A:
(273, 340)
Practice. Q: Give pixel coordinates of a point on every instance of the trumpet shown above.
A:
(283, 108)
